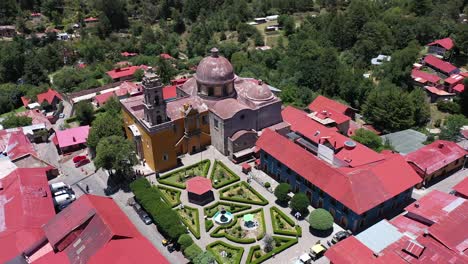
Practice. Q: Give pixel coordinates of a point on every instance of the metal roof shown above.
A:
(379, 236)
(405, 141)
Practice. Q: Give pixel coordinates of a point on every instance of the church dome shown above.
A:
(258, 92)
(214, 70)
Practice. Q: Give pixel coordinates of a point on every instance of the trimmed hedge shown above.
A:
(163, 179)
(238, 258)
(208, 225)
(247, 201)
(320, 219)
(240, 208)
(167, 220)
(216, 232)
(195, 231)
(166, 199)
(278, 230)
(290, 242)
(192, 252)
(70, 120)
(234, 177)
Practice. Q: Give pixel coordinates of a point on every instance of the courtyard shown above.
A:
(242, 219)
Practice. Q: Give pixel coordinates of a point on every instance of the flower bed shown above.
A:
(211, 210)
(242, 192)
(178, 177)
(235, 233)
(257, 255)
(221, 175)
(170, 196)
(233, 254)
(190, 218)
(282, 224)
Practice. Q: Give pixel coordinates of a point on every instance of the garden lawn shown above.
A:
(211, 210)
(178, 177)
(233, 254)
(171, 196)
(222, 175)
(236, 233)
(14, 112)
(282, 224)
(190, 218)
(242, 192)
(257, 255)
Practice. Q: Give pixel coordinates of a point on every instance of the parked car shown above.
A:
(340, 236)
(58, 186)
(79, 158)
(64, 199)
(61, 115)
(165, 242)
(61, 192)
(317, 251)
(142, 213)
(82, 162)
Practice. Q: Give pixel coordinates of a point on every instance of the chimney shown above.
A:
(416, 205)
(74, 139)
(441, 145)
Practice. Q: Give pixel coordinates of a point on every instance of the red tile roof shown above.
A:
(91, 19)
(462, 187)
(446, 43)
(166, 56)
(406, 224)
(422, 76)
(437, 91)
(359, 189)
(48, 96)
(169, 92)
(429, 209)
(437, 63)
(130, 88)
(454, 79)
(128, 54)
(37, 118)
(459, 87)
(25, 101)
(26, 205)
(105, 232)
(72, 136)
(327, 112)
(101, 99)
(322, 102)
(15, 144)
(199, 185)
(125, 71)
(435, 156)
(179, 81)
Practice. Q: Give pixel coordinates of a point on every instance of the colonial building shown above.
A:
(213, 107)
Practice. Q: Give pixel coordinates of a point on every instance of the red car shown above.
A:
(82, 162)
(79, 158)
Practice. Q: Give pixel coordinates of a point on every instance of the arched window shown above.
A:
(210, 91)
(156, 100)
(158, 119)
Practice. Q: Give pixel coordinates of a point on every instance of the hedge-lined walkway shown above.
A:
(305, 241)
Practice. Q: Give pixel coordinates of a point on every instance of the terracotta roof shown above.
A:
(72, 136)
(454, 79)
(48, 96)
(437, 63)
(26, 205)
(359, 189)
(322, 102)
(125, 71)
(91, 19)
(437, 91)
(128, 54)
(15, 144)
(435, 155)
(422, 76)
(25, 101)
(166, 56)
(430, 208)
(459, 87)
(406, 224)
(101, 99)
(199, 185)
(446, 43)
(462, 187)
(130, 88)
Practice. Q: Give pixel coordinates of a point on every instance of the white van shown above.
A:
(58, 186)
(64, 199)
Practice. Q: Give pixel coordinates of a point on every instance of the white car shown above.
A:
(62, 115)
(64, 199)
(58, 186)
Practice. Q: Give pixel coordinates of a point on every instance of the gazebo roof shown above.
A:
(199, 185)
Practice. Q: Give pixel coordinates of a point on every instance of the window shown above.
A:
(288, 171)
(278, 164)
(345, 210)
(204, 120)
(158, 119)
(242, 117)
(165, 157)
(216, 123)
(156, 100)
(456, 162)
(308, 184)
(210, 91)
(298, 178)
(333, 201)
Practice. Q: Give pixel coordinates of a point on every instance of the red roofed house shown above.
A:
(52, 97)
(129, 88)
(459, 88)
(441, 66)
(128, 54)
(440, 46)
(461, 188)
(93, 230)
(101, 99)
(91, 21)
(452, 81)
(425, 78)
(436, 159)
(71, 139)
(37, 118)
(166, 56)
(26, 205)
(125, 73)
(435, 94)
(331, 113)
(357, 193)
(199, 190)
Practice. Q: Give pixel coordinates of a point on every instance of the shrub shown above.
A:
(281, 192)
(185, 241)
(448, 107)
(300, 202)
(208, 225)
(267, 185)
(257, 254)
(321, 219)
(192, 252)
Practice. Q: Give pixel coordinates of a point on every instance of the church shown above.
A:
(213, 107)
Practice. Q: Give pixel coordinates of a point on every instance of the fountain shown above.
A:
(223, 217)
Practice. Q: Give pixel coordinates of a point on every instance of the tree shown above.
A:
(138, 75)
(192, 252)
(368, 138)
(299, 203)
(268, 243)
(105, 125)
(34, 71)
(422, 110)
(204, 258)
(288, 24)
(112, 106)
(12, 121)
(451, 129)
(84, 112)
(320, 219)
(115, 153)
(464, 99)
(185, 241)
(115, 11)
(281, 192)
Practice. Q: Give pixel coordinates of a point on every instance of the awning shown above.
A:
(248, 218)
(317, 248)
(243, 153)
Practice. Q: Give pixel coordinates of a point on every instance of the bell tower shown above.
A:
(154, 104)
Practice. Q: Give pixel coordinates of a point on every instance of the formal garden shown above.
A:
(233, 227)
